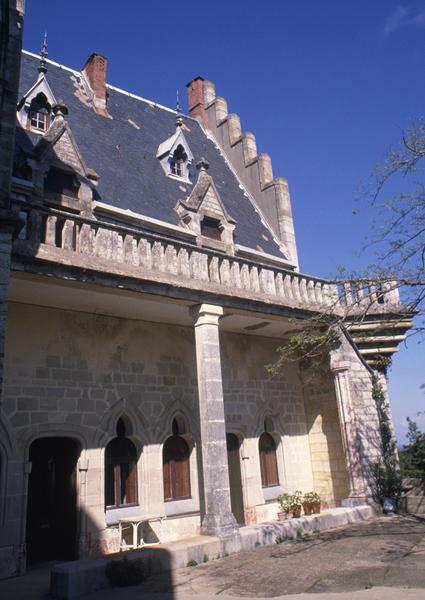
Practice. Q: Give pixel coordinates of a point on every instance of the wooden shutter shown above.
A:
(268, 462)
(176, 469)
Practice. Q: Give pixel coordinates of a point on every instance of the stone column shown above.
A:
(218, 518)
(358, 486)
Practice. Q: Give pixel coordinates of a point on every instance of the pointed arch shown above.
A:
(133, 418)
(176, 410)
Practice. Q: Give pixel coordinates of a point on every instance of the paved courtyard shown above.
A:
(368, 560)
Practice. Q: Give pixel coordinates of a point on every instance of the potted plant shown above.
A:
(313, 501)
(308, 503)
(296, 503)
(285, 505)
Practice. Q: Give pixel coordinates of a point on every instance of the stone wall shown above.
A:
(324, 429)
(80, 372)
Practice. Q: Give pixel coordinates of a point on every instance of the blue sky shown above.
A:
(326, 86)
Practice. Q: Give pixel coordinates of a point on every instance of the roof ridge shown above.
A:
(110, 86)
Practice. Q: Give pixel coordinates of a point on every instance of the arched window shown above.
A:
(39, 113)
(176, 466)
(268, 462)
(177, 162)
(120, 470)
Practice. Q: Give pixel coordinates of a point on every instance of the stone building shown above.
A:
(150, 265)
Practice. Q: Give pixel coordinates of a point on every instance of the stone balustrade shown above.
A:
(66, 238)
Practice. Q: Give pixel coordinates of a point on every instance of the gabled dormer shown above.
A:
(60, 175)
(174, 154)
(204, 213)
(35, 106)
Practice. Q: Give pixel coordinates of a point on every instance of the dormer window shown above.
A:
(211, 228)
(177, 162)
(59, 182)
(39, 114)
(175, 156)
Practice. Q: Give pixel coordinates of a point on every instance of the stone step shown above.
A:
(75, 579)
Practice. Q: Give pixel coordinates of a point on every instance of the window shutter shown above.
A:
(268, 462)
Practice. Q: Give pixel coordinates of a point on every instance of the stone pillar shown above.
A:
(218, 518)
(358, 486)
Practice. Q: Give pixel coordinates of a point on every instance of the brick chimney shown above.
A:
(196, 99)
(94, 72)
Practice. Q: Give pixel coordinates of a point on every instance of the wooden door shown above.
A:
(234, 461)
(51, 531)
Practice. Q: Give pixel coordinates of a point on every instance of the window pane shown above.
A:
(109, 485)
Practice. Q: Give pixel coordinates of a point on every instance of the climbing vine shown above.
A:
(385, 477)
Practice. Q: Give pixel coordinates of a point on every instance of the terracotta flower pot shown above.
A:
(282, 515)
(296, 512)
(316, 507)
(308, 508)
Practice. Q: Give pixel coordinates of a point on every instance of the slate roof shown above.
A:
(124, 157)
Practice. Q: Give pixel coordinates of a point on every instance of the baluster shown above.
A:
(23, 215)
(34, 225)
(50, 237)
(348, 294)
(311, 298)
(183, 263)
(171, 259)
(278, 282)
(287, 286)
(85, 239)
(235, 275)
(214, 269)
(158, 256)
(68, 242)
(145, 253)
(245, 280)
(303, 290)
(225, 272)
(255, 282)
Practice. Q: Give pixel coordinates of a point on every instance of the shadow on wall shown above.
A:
(53, 529)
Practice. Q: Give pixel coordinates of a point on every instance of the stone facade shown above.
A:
(146, 332)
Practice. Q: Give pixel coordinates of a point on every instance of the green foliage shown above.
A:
(285, 502)
(279, 539)
(385, 476)
(308, 347)
(412, 456)
(296, 499)
(386, 480)
(311, 497)
(191, 563)
(125, 572)
(206, 558)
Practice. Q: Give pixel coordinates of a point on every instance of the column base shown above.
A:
(219, 525)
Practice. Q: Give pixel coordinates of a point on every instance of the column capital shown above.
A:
(206, 314)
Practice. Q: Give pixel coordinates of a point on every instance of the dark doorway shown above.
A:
(236, 496)
(51, 532)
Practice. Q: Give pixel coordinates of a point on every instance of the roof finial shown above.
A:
(43, 55)
(179, 119)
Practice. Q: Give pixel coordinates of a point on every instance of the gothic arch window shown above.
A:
(39, 114)
(268, 462)
(178, 162)
(120, 470)
(176, 466)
